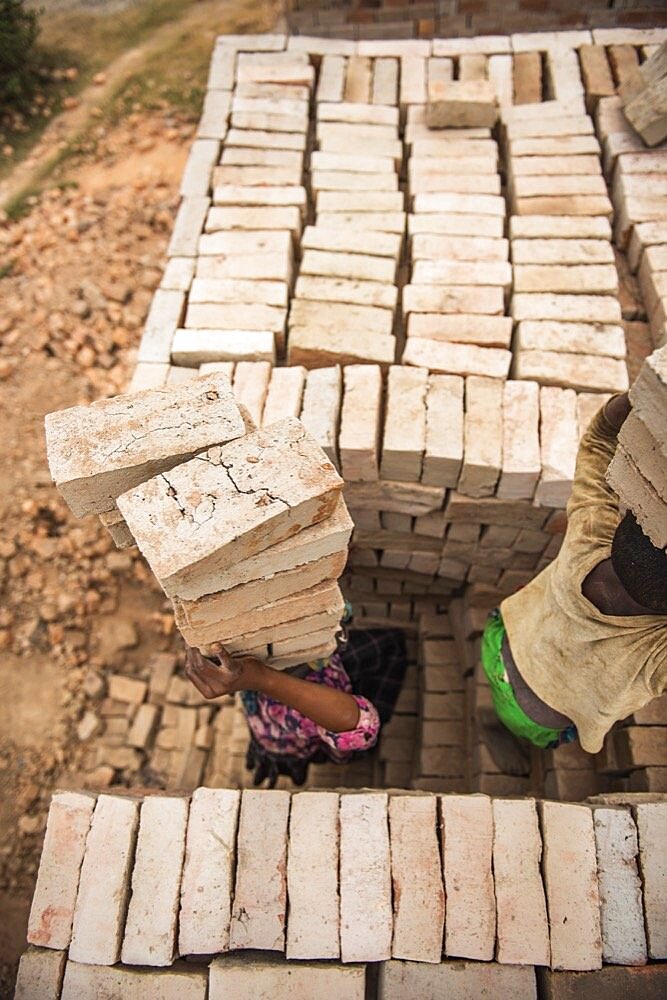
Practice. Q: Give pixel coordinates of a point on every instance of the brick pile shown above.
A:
(350, 878)
(246, 532)
(637, 472)
(387, 19)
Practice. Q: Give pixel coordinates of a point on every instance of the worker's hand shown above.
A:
(218, 672)
(617, 410)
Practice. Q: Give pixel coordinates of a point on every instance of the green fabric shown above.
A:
(507, 707)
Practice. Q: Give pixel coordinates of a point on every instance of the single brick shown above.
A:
(150, 928)
(270, 977)
(260, 894)
(360, 422)
(52, 910)
(570, 876)
(651, 818)
(313, 926)
(253, 493)
(40, 974)
(118, 983)
(419, 898)
(104, 884)
(365, 879)
(467, 855)
(206, 889)
(559, 443)
(405, 424)
(483, 436)
(521, 465)
(99, 451)
(621, 908)
(443, 452)
(455, 980)
(608, 983)
(320, 412)
(523, 928)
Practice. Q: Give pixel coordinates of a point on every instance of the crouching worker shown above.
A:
(584, 644)
(326, 710)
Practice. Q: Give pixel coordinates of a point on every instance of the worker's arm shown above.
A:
(330, 708)
(596, 450)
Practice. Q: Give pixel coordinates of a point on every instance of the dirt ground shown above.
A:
(76, 278)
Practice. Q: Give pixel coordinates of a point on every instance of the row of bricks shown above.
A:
(292, 849)
(49, 976)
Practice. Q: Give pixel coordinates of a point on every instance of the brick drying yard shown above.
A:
(444, 309)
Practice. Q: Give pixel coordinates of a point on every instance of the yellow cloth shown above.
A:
(594, 668)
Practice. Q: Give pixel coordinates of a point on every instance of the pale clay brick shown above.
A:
(52, 910)
(419, 898)
(199, 347)
(521, 464)
(320, 412)
(314, 348)
(98, 451)
(570, 338)
(621, 908)
(287, 464)
(104, 884)
(570, 876)
(323, 539)
(251, 384)
(467, 846)
(559, 443)
(206, 888)
(652, 828)
(176, 983)
(360, 293)
(284, 395)
(523, 929)
(150, 928)
(40, 974)
(468, 224)
(457, 359)
(483, 436)
(462, 980)
(313, 927)
(573, 371)
(548, 227)
(647, 396)
(359, 438)
(365, 879)
(405, 424)
(566, 308)
(462, 328)
(461, 104)
(443, 452)
(260, 895)
(268, 977)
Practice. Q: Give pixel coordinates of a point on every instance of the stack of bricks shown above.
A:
(347, 878)
(345, 296)
(248, 540)
(226, 288)
(644, 101)
(248, 537)
(638, 471)
(454, 305)
(565, 303)
(387, 19)
(439, 761)
(634, 754)
(100, 451)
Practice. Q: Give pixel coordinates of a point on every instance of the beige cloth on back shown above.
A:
(594, 668)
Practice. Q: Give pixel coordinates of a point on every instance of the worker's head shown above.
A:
(640, 565)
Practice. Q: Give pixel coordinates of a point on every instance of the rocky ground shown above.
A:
(78, 274)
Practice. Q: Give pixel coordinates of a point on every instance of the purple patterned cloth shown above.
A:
(285, 732)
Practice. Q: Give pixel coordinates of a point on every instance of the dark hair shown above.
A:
(640, 565)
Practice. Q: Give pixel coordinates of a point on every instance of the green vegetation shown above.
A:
(19, 62)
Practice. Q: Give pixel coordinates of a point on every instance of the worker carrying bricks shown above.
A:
(584, 644)
(330, 709)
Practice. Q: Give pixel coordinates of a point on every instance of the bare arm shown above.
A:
(334, 710)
